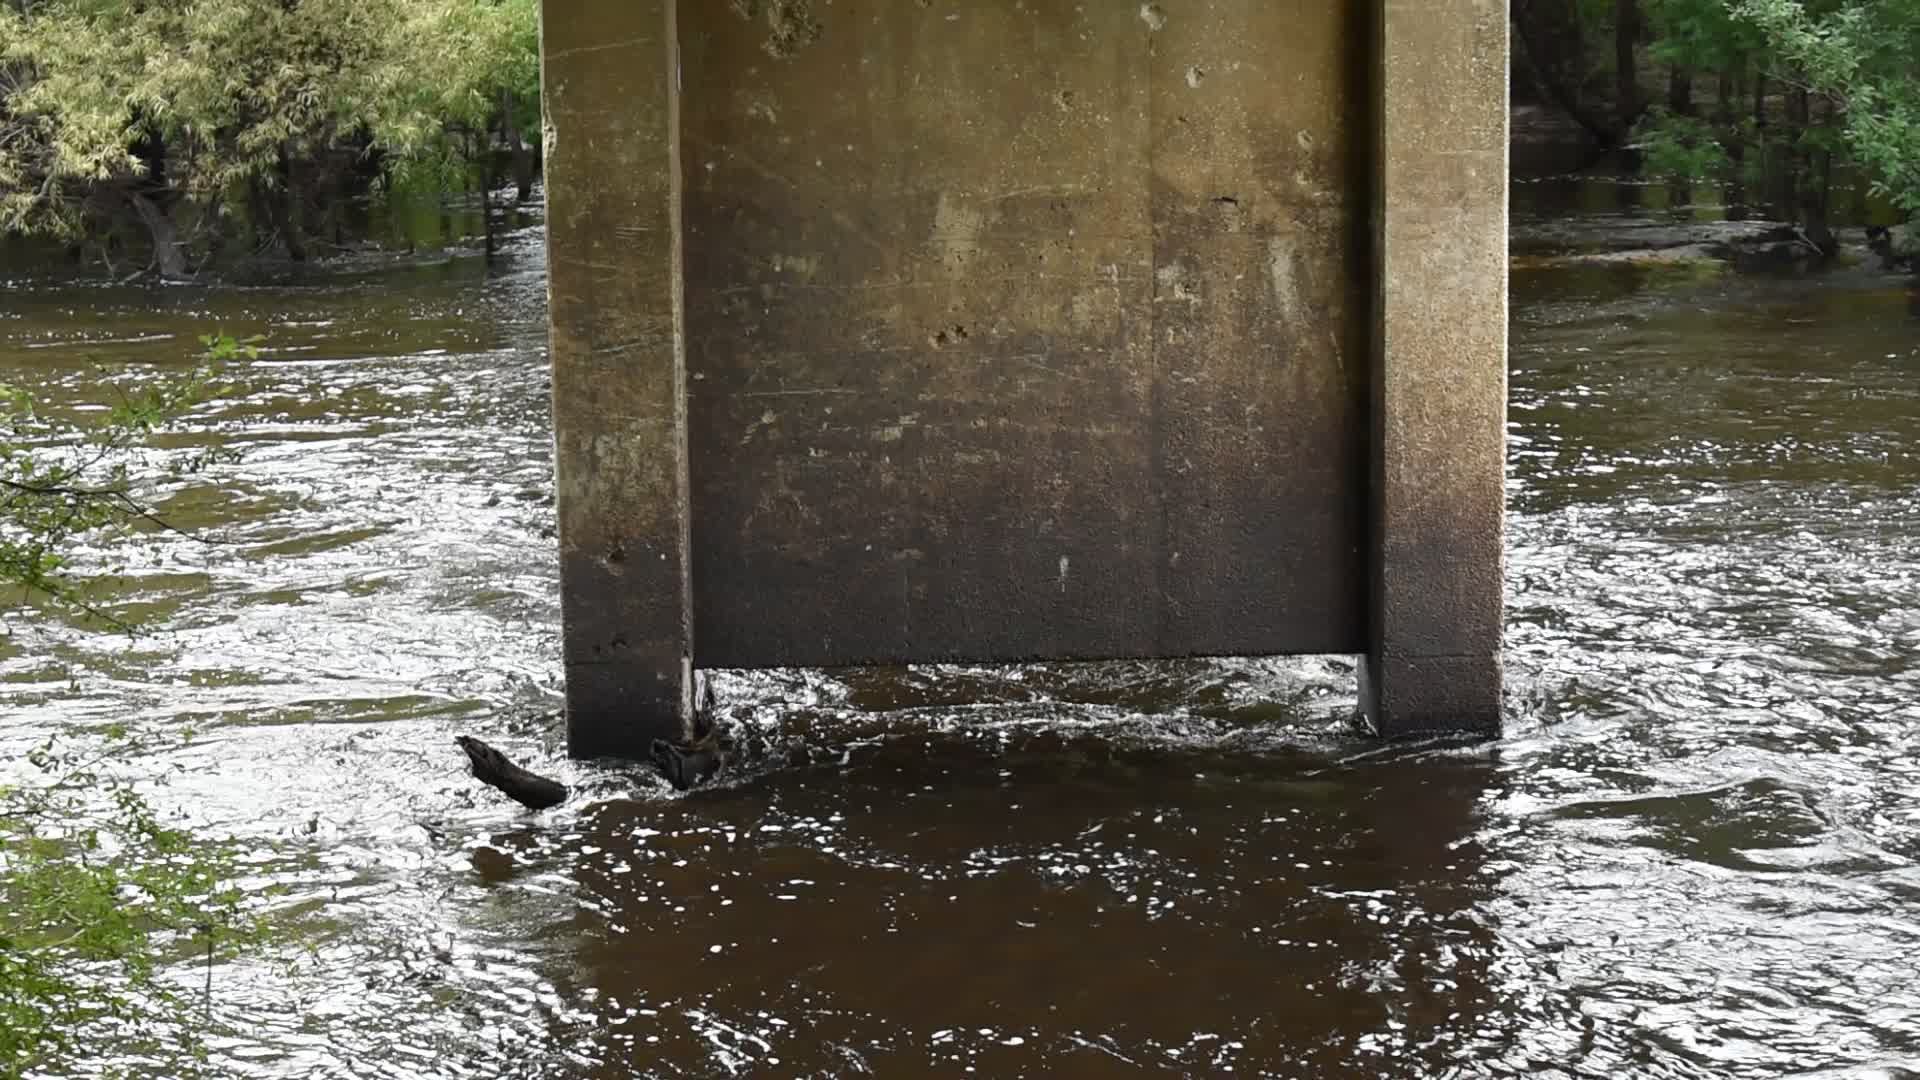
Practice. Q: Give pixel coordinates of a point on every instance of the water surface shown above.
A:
(1693, 855)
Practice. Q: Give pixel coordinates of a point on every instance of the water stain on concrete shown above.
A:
(791, 24)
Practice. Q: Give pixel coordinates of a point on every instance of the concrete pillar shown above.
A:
(1439, 356)
(609, 82)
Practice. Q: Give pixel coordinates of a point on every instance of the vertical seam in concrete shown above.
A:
(546, 201)
(1375, 527)
(683, 479)
(1158, 458)
(1506, 292)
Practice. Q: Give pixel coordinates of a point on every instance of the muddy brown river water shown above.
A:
(1693, 855)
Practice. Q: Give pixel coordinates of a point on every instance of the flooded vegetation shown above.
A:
(1694, 854)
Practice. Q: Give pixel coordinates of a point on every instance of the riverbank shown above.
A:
(1576, 203)
(394, 234)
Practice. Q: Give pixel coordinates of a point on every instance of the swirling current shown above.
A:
(1692, 855)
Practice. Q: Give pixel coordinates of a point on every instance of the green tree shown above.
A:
(185, 120)
(1703, 36)
(1830, 82)
(1799, 88)
(1863, 58)
(484, 92)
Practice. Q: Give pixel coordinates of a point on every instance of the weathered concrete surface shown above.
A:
(1019, 329)
(1023, 330)
(1259, 322)
(618, 371)
(1439, 381)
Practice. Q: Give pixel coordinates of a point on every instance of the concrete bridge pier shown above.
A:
(1438, 432)
(990, 331)
(618, 346)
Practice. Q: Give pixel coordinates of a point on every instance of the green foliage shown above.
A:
(1680, 147)
(1864, 55)
(97, 894)
(116, 109)
(1799, 87)
(60, 480)
(1701, 34)
(486, 75)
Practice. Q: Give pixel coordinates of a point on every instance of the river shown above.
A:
(1693, 854)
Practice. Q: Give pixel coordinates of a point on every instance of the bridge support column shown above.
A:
(1439, 356)
(610, 91)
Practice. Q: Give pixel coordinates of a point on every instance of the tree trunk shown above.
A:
(263, 214)
(1626, 34)
(330, 190)
(1734, 89)
(1800, 107)
(1680, 91)
(486, 198)
(1723, 98)
(167, 255)
(1679, 193)
(1551, 47)
(524, 164)
(525, 168)
(292, 226)
(1760, 99)
(1816, 192)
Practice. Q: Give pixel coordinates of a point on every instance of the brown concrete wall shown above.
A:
(903, 330)
(1439, 380)
(618, 370)
(1023, 329)
(1259, 195)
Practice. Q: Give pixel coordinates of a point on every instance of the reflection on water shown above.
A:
(1693, 856)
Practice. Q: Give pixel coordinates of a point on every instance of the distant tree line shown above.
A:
(180, 132)
(1746, 90)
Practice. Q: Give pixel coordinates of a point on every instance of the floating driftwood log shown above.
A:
(686, 763)
(529, 789)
